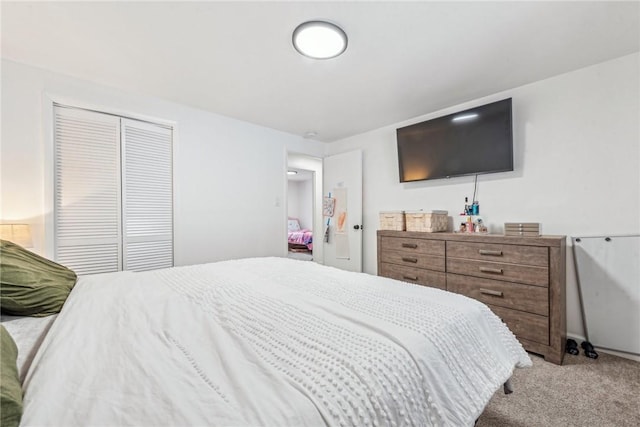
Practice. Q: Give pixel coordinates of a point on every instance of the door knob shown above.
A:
(357, 227)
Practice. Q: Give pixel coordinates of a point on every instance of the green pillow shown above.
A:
(10, 389)
(31, 285)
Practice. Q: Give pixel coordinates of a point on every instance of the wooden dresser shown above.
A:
(522, 279)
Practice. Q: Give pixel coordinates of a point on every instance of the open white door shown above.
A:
(343, 179)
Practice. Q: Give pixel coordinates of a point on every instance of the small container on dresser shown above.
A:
(428, 222)
(392, 220)
(521, 279)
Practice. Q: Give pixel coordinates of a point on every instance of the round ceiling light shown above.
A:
(319, 40)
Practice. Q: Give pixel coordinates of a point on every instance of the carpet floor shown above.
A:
(304, 256)
(604, 392)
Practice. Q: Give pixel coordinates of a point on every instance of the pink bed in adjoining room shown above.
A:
(298, 238)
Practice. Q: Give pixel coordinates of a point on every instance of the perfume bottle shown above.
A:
(470, 225)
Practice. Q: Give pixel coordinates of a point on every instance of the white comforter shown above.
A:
(28, 333)
(266, 341)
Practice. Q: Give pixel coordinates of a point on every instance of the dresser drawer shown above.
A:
(526, 325)
(407, 244)
(532, 299)
(413, 260)
(434, 279)
(530, 275)
(513, 254)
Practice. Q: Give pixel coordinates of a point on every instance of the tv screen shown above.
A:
(475, 141)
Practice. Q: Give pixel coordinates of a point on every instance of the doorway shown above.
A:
(304, 200)
(300, 214)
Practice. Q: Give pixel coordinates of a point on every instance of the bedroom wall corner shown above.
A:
(577, 163)
(227, 173)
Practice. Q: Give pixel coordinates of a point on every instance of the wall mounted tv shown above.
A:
(475, 141)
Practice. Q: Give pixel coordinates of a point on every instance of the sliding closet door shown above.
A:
(87, 190)
(147, 196)
(113, 192)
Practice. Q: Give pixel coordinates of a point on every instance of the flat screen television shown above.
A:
(475, 141)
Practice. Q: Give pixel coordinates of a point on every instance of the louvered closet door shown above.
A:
(147, 196)
(87, 190)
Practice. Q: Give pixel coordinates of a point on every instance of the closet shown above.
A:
(113, 192)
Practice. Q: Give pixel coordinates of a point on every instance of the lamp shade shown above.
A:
(20, 234)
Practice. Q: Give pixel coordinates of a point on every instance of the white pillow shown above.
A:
(293, 225)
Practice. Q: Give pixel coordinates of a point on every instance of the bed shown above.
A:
(298, 238)
(266, 342)
(28, 333)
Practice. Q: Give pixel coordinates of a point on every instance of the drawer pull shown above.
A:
(491, 270)
(409, 245)
(490, 292)
(414, 278)
(407, 259)
(489, 252)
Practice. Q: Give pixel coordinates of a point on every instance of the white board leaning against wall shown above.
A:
(608, 275)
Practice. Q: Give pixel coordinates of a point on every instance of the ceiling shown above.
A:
(404, 59)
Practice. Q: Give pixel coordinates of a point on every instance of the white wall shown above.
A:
(301, 202)
(577, 159)
(305, 200)
(292, 199)
(229, 176)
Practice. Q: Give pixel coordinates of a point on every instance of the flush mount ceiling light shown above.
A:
(319, 40)
(292, 172)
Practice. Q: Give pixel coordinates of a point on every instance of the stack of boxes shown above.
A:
(524, 229)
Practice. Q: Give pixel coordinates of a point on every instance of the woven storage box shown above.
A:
(430, 222)
(392, 221)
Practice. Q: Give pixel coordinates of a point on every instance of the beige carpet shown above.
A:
(582, 392)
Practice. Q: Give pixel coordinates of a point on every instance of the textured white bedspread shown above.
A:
(270, 342)
(28, 333)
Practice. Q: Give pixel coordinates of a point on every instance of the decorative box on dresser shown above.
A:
(522, 279)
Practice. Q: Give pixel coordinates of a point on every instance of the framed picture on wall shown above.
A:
(328, 205)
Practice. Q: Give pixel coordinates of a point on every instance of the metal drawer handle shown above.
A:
(410, 277)
(490, 292)
(490, 253)
(413, 260)
(409, 245)
(491, 270)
